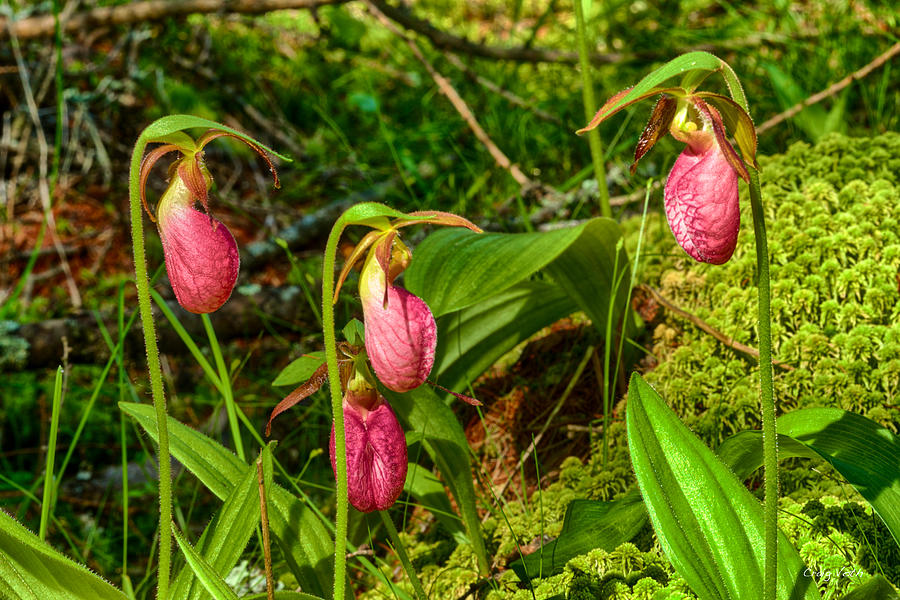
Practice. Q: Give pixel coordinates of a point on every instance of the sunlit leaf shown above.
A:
(423, 412)
(709, 525)
(31, 569)
(206, 574)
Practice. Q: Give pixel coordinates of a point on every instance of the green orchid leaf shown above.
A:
(860, 449)
(224, 539)
(456, 268)
(283, 595)
(594, 270)
(306, 545)
(474, 338)
(206, 574)
(30, 569)
(354, 332)
(300, 369)
(876, 588)
(429, 492)
(709, 525)
(422, 411)
(588, 524)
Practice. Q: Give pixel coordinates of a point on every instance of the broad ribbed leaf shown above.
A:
(591, 269)
(876, 588)
(224, 539)
(472, 339)
(709, 525)
(423, 412)
(212, 582)
(588, 524)
(306, 544)
(864, 452)
(429, 492)
(300, 369)
(31, 569)
(455, 268)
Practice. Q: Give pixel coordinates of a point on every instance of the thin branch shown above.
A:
(456, 100)
(831, 90)
(505, 94)
(704, 326)
(147, 10)
(44, 183)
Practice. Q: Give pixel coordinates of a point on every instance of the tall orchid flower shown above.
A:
(376, 449)
(701, 192)
(401, 334)
(201, 255)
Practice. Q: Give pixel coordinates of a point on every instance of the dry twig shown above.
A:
(704, 326)
(458, 103)
(831, 90)
(144, 11)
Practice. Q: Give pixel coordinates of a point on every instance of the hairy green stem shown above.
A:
(334, 383)
(155, 371)
(766, 391)
(590, 105)
(400, 549)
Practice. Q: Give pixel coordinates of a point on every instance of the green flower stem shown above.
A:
(334, 383)
(226, 390)
(156, 386)
(590, 106)
(400, 549)
(766, 391)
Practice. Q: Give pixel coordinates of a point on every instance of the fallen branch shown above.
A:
(456, 100)
(704, 326)
(40, 345)
(144, 11)
(832, 89)
(312, 229)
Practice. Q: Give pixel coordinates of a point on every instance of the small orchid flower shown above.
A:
(376, 449)
(701, 195)
(201, 255)
(701, 192)
(401, 334)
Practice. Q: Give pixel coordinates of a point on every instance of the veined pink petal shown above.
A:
(202, 258)
(401, 334)
(376, 456)
(701, 198)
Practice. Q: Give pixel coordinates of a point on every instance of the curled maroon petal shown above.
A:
(376, 455)
(201, 255)
(701, 198)
(401, 334)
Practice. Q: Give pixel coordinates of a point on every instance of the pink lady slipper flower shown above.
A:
(701, 192)
(400, 332)
(701, 195)
(201, 255)
(376, 449)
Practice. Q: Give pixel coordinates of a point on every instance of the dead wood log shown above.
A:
(250, 311)
(144, 11)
